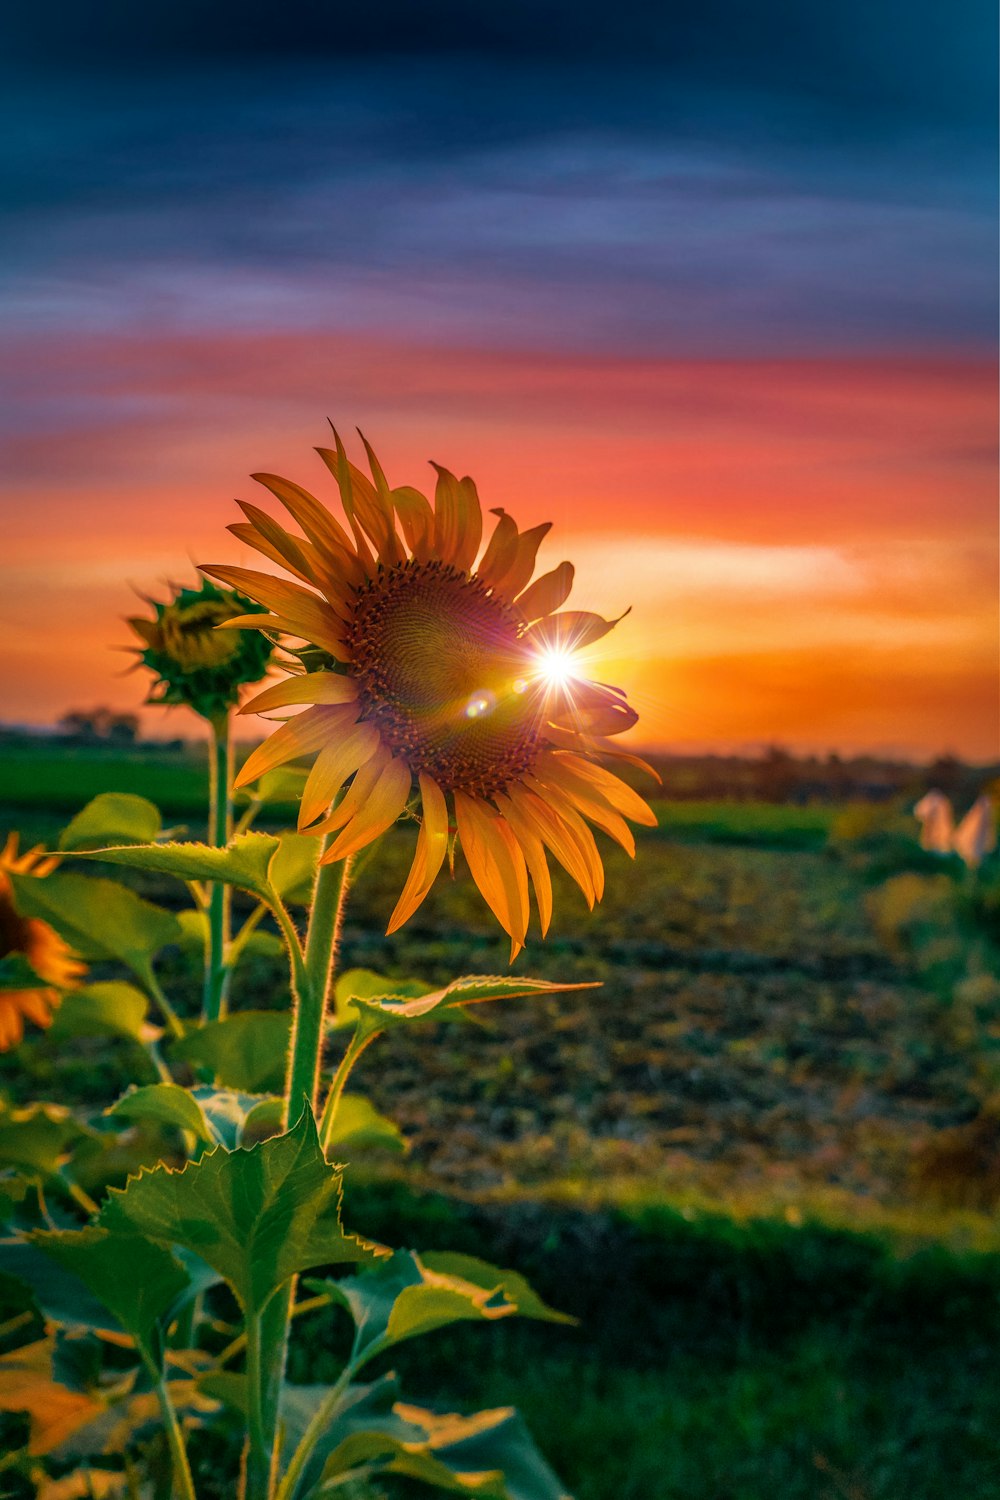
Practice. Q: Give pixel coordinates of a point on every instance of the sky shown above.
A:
(714, 292)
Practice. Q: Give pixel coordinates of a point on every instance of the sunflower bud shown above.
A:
(192, 660)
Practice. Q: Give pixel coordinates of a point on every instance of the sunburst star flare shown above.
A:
(439, 682)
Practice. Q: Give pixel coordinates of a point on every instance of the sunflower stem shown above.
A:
(325, 922)
(220, 819)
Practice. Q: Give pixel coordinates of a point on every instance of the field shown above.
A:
(717, 1160)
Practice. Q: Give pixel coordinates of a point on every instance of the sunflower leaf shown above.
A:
(112, 818)
(166, 1104)
(480, 1273)
(378, 1013)
(137, 1280)
(293, 868)
(109, 1008)
(256, 1216)
(37, 1137)
(365, 984)
(401, 1298)
(490, 1455)
(244, 863)
(358, 1126)
(245, 1051)
(100, 919)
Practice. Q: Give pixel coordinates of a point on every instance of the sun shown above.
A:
(555, 667)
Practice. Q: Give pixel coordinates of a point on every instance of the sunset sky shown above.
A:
(718, 297)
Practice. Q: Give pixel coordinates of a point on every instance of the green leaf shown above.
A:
(17, 974)
(167, 1104)
(358, 1126)
(480, 1273)
(109, 1008)
(36, 1138)
(112, 818)
(137, 1281)
(244, 862)
(256, 1216)
(293, 869)
(365, 984)
(401, 1298)
(490, 1455)
(57, 1292)
(361, 1408)
(284, 785)
(246, 1051)
(100, 919)
(379, 1013)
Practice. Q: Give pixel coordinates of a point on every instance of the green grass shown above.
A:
(59, 778)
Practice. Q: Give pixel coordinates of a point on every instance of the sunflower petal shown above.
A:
(458, 520)
(534, 855)
(497, 864)
(322, 529)
(356, 794)
(379, 811)
(571, 630)
(311, 687)
(270, 537)
(501, 550)
(592, 708)
(303, 735)
(518, 575)
(573, 770)
(331, 768)
(307, 615)
(432, 845)
(546, 594)
(568, 838)
(590, 805)
(417, 521)
(340, 467)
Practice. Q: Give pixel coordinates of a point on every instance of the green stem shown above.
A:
(355, 1047)
(317, 1426)
(260, 1396)
(325, 921)
(183, 1481)
(220, 819)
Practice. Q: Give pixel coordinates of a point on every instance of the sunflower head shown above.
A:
(35, 964)
(437, 675)
(192, 661)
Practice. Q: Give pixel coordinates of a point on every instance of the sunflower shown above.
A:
(428, 672)
(193, 662)
(40, 950)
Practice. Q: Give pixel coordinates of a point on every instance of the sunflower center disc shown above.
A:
(441, 671)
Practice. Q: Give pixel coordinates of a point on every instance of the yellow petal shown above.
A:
(356, 794)
(546, 594)
(534, 855)
(592, 708)
(432, 845)
(562, 839)
(589, 804)
(307, 615)
(496, 862)
(574, 770)
(334, 763)
(518, 575)
(570, 631)
(278, 625)
(458, 520)
(310, 687)
(340, 467)
(322, 528)
(416, 519)
(267, 536)
(380, 810)
(306, 733)
(501, 550)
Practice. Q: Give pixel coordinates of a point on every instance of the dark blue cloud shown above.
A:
(539, 204)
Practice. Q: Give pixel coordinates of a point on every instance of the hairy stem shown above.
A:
(350, 1057)
(183, 1484)
(325, 921)
(220, 819)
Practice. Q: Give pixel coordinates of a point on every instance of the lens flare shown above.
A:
(555, 668)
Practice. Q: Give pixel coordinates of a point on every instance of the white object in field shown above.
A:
(976, 835)
(937, 824)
